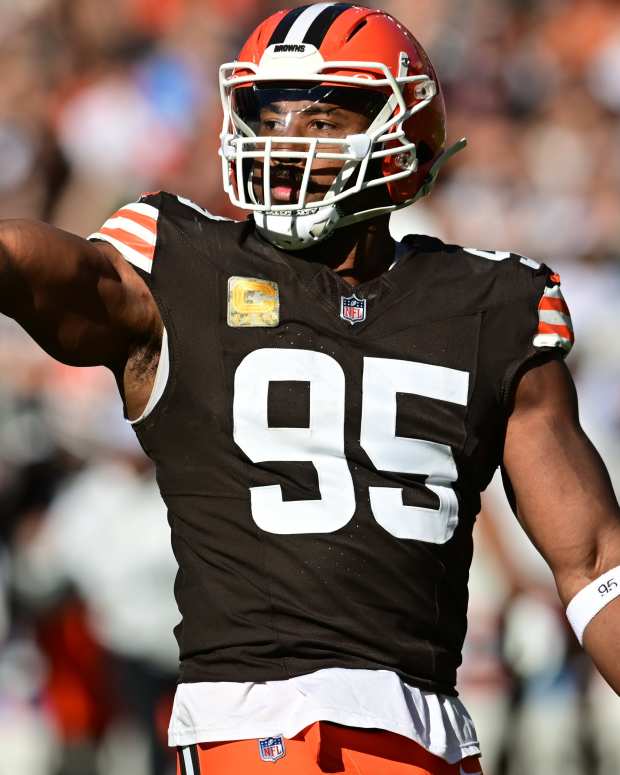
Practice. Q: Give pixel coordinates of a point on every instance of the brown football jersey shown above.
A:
(322, 449)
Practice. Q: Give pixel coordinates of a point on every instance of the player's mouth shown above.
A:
(285, 186)
(284, 194)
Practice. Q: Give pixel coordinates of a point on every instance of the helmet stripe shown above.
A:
(319, 27)
(304, 22)
(307, 24)
(286, 22)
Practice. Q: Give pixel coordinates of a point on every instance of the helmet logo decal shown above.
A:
(289, 48)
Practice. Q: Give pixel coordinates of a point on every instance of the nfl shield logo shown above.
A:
(352, 309)
(271, 748)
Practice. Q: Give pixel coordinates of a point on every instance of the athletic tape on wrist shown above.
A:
(592, 599)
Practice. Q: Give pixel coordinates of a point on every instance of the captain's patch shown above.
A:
(252, 303)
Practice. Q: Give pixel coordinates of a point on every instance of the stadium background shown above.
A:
(99, 101)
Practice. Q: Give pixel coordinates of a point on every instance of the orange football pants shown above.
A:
(322, 747)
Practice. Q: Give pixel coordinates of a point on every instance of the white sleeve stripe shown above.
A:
(554, 292)
(126, 224)
(552, 340)
(131, 255)
(555, 318)
(143, 209)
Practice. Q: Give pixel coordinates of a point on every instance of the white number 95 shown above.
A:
(322, 442)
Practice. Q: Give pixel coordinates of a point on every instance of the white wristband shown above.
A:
(591, 599)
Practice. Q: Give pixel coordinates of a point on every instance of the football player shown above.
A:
(324, 407)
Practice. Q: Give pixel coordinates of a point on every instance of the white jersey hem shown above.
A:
(224, 711)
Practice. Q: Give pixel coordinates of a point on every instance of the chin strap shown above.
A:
(431, 178)
(425, 189)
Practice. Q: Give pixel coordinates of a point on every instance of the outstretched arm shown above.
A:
(565, 500)
(79, 300)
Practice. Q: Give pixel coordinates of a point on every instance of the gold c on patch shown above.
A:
(252, 302)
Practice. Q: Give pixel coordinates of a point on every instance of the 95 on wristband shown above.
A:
(592, 599)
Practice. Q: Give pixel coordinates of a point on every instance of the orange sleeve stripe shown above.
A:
(549, 328)
(130, 240)
(142, 220)
(558, 305)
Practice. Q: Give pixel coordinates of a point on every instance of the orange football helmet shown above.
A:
(315, 53)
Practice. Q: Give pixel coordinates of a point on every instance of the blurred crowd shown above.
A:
(99, 102)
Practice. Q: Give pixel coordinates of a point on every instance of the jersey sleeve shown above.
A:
(132, 230)
(549, 335)
(528, 324)
(555, 328)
